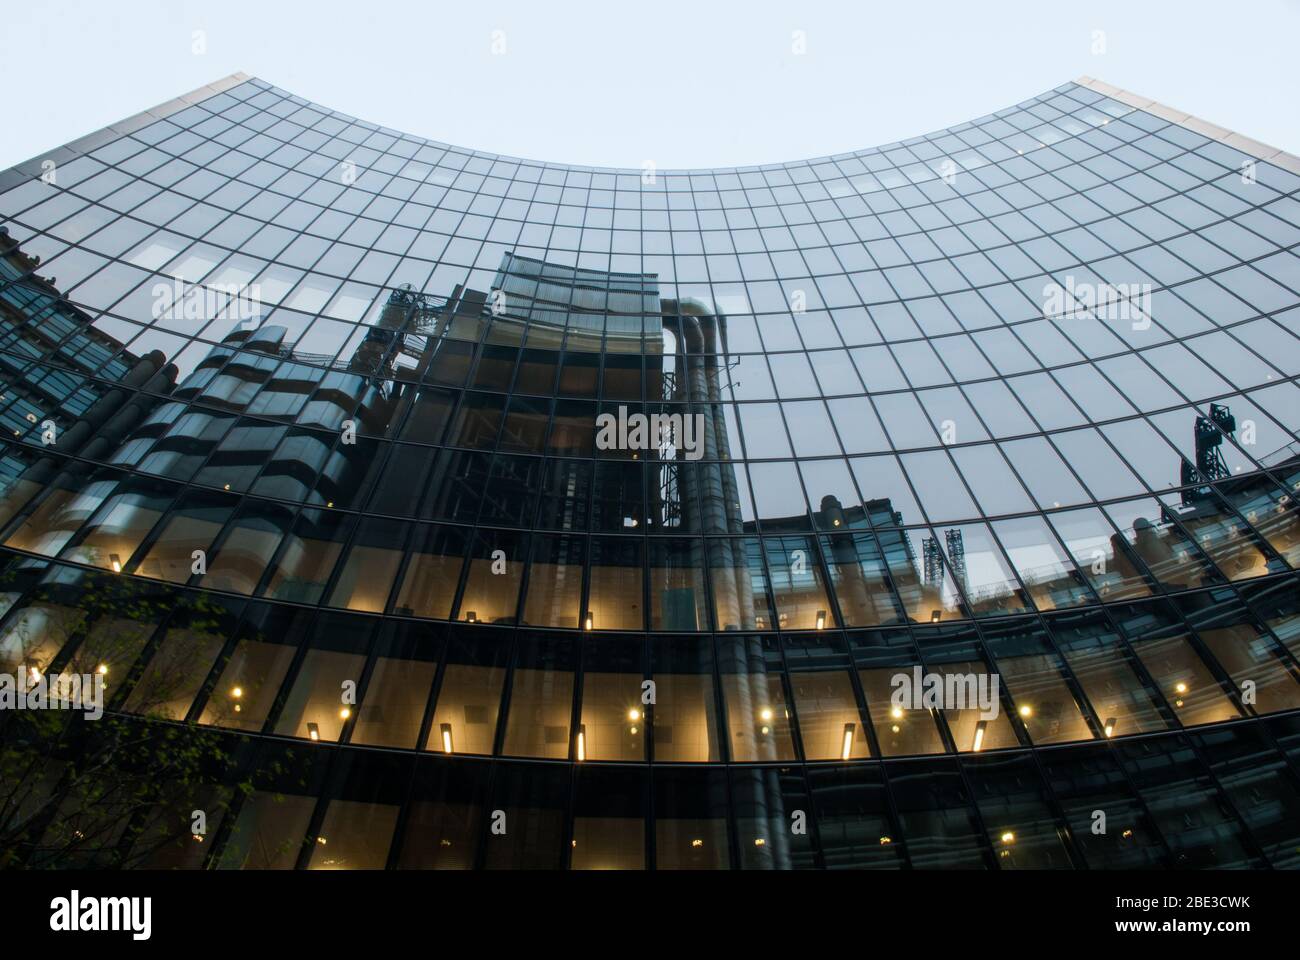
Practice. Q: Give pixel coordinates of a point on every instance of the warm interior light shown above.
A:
(634, 714)
(980, 727)
(1008, 837)
(886, 841)
(1026, 711)
(102, 670)
(1110, 727)
(33, 671)
(765, 713)
(116, 562)
(237, 692)
(760, 842)
(697, 843)
(1180, 687)
(313, 731)
(847, 750)
(582, 742)
(588, 621)
(344, 713)
(896, 713)
(446, 738)
(471, 616)
(821, 619)
(935, 615)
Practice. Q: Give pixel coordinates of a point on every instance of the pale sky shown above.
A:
(699, 83)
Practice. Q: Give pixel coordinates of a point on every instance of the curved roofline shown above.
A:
(1247, 145)
(93, 141)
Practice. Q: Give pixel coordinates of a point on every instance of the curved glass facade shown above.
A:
(902, 508)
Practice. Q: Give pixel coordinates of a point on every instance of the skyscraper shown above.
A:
(483, 512)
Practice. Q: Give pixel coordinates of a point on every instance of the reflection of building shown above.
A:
(392, 485)
(85, 417)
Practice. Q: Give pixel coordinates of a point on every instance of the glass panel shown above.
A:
(366, 577)
(496, 570)
(982, 572)
(1273, 514)
(1149, 540)
(1182, 676)
(246, 551)
(249, 682)
(1043, 701)
(1119, 698)
(1045, 570)
(57, 517)
(677, 598)
(901, 730)
(397, 693)
(1013, 803)
(534, 800)
(922, 577)
(555, 582)
(860, 580)
(829, 724)
(766, 801)
(1226, 539)
(1092, 779)
(936, 817)
(691, 820)
(432, 573)
(316, 709)
(853, 820)
(268, 834)
(614, 721)
(609, 831)
(758, 717)
(189, 530)
(972, 730)
(739, 585)
(469, 698)
(443, 817)
(308, 556)
(541, 701)
(354, 836)
(1099, 554)
(614, 599)
(1249, 656)
(797, 584)
(112, 536)
(685, 717)
(177, 669)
